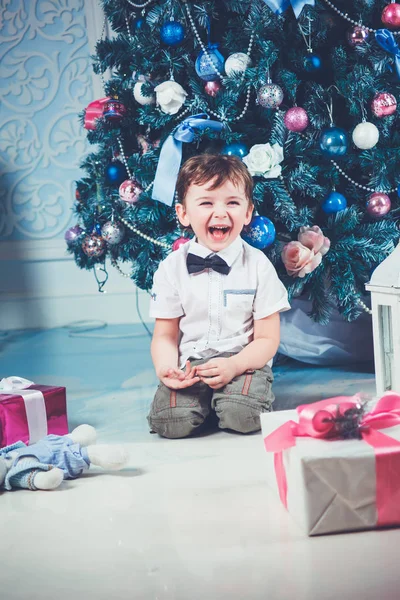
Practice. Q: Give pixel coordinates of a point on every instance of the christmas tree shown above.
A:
(304, 92)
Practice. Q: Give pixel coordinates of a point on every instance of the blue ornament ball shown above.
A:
(203, 67)
(235, 149)
(398, 190)
(333, 203)
(172, 33)
(334, 141)
(138, 23)
(312, 62)
(260, 232)
(115, 173)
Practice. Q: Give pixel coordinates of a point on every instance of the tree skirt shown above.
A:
(337, 343)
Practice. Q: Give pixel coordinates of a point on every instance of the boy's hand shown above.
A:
(217, 372)
(176, 379)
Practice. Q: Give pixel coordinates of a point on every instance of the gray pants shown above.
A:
(180, 413)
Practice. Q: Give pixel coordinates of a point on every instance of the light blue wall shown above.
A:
(45, 81)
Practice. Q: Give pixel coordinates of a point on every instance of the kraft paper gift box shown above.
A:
(29, 412)
(329, 484)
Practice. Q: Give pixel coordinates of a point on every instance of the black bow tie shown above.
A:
(196, 264)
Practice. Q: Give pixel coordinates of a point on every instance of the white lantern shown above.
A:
(385, 303)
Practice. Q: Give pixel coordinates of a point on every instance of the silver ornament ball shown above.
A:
(270, 95)
(112, 232)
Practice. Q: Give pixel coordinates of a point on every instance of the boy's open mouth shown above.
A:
(218, 232)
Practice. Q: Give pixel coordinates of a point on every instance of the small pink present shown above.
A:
(29, 412)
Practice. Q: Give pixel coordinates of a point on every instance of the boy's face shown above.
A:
(218, 216)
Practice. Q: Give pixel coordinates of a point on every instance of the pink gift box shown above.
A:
(27, 417)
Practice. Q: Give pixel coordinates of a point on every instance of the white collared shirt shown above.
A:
(217, 311)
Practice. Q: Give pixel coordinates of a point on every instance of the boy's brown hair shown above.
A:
(213, 167)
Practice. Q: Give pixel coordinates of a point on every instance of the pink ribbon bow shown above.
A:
(317, 420)
(94, 111)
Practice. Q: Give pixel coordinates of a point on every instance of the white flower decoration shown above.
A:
(264, 159)
(170, 96)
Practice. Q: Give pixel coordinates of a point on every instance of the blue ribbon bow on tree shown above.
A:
(279, 6)
(387, 41)
(171, 155)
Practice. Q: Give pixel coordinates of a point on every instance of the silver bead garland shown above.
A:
(240, 116)
(361, 187)
(124, 221)
(196, 33)
(183, 113)
(103, 30)
(353, 21)
(128, 30)
(120, 271)
(364, 306)
(143, 235)
(121, 148)
(214, 68)
(143, 5)
(127, 167)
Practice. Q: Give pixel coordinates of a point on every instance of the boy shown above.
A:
(216, 301)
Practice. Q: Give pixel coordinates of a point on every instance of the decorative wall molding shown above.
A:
(46, 80)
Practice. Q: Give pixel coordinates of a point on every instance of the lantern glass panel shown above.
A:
(385, 320)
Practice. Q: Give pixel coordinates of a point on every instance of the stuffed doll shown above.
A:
(44, 465)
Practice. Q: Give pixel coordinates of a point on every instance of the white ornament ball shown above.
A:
(139, 97)
(365, 135)
(237, 63)
(170, 96)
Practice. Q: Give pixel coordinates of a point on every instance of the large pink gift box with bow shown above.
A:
(330, 484)
(29, 412)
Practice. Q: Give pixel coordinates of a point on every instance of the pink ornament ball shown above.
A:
(383, 104)
(391, 16)
(93, 246)
(129, 191)
(296, 119)
(212, 87)
(378, 205)
(357, 36)
(72, 234)
(322, 423)
(179, 242)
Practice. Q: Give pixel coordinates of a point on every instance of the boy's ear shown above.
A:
(249, 214)
(182, 216)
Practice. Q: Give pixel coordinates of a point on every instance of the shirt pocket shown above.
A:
(239, 302)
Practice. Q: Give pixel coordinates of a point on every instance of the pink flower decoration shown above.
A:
(314, 239)
(326, 246)
(311, 237)
(299, 260)
(303, 256)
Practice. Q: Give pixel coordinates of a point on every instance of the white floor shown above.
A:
(187, 519)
